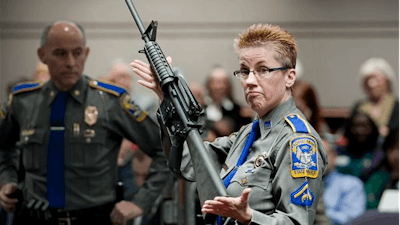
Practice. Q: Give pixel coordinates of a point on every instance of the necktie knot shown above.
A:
(58, 109)
(255, 128)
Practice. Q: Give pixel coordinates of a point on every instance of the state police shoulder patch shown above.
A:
(304, 157)
(302, 196)
(132, 109)
(5, 107)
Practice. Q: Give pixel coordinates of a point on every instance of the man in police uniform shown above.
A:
(97, 116)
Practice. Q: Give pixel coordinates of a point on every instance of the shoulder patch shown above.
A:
(26, 86)
(302, 196)
(107, 87)
(5, 107)
(132, 109)
(241, 128)
(298, 124)
(303, 157)
(3, 111)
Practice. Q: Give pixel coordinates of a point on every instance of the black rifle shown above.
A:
(180, 112)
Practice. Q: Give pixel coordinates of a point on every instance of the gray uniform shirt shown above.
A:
(91, 150)
(267, 170)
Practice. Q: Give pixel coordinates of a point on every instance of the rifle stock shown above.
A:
(180, 116)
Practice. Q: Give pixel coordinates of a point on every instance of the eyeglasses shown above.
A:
(260, 72)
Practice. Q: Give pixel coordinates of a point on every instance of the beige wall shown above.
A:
(334, 37)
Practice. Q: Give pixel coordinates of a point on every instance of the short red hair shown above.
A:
(262, 35)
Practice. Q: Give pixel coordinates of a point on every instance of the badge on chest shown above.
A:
(91, 115)
(90, 118)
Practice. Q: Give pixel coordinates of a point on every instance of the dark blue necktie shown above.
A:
(55, 156)
(245, 152)
(243, 156)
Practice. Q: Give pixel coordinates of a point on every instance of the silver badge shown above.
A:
(91, 114)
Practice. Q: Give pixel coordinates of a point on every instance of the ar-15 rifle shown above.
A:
(180, 112)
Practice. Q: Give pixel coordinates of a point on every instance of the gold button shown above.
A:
(244, 180)
(77, 92)
(52, 93)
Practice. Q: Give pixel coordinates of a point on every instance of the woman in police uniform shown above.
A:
(276, 178)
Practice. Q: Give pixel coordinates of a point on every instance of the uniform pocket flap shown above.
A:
(251, 177)
(32, 136)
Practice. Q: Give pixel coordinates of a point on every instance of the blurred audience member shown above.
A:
(377, 78)
(222, 104)
(362, 151)
(120, 74)
(222, 127)
(306, 98)
(41, 73)
(387, 176)
(198, 92)
(133, 163)
(344, 195)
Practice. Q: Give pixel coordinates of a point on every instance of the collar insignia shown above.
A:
(267, 124)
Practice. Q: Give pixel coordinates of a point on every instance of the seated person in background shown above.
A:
(377, 78)
(41, 73)
(344, 195)
(222, 127)
(133, 163)
(220, 103)
(306, 98)
(361, 152)
(198, 92)
(120, 74)
(387, 176)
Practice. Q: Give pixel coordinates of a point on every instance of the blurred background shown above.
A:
(334, 37)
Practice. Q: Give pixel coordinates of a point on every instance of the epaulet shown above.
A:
(26, 86)
(298, 124)
(241, 128)
(107, 87)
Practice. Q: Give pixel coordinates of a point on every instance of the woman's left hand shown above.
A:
(236, 208)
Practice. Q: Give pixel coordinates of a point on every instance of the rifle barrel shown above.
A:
(137, 19)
